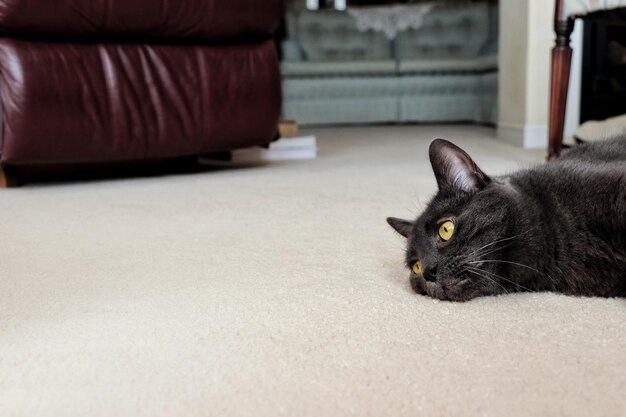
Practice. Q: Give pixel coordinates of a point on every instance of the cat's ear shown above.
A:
(401, 226)
(454, 168)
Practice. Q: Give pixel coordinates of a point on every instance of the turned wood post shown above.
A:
(561, 63)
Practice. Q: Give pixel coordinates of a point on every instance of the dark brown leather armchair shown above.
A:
(89, 81)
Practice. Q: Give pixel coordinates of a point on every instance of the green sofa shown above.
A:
(445, 71)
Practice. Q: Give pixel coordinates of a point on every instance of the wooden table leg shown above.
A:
(8, 179)
(561, 63)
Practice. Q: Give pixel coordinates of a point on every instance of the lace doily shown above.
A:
(390, 20)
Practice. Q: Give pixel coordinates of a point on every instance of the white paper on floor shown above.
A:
(303, 147)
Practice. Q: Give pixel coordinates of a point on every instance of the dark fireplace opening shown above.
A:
(603, 92)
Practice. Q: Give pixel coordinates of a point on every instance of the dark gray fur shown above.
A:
(557, 227)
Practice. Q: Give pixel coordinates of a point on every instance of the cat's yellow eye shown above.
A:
(417, 268)
(446, 230)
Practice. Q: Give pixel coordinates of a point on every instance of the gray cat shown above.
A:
(557, 227)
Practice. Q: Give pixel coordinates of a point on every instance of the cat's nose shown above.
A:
(430, 273)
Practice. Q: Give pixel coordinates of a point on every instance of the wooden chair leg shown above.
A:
(8, 178)
(561, 63)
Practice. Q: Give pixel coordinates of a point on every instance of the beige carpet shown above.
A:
(279, 290)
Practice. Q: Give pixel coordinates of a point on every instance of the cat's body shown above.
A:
(557, 227)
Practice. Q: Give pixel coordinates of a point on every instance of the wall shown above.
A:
(512, 62)
(538, 61)
(526, 39)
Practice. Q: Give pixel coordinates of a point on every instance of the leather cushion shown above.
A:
(179, 19)
(109, 102)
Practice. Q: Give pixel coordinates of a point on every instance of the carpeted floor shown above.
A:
(279, 290)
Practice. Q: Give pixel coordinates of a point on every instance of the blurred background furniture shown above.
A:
(92, 82)
(444, 70)
(564, 14)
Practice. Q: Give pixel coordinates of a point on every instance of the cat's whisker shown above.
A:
(496, 242)
(504, 279)
(491, 250)
(505, 262)
(481, 274)
(492, 243)
(474, 271)
(514, 263)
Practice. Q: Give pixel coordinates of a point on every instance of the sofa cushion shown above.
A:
(315, 68)
(452, 30)
(188, 19)
(480, 64)
(333, 36)
(67, 102)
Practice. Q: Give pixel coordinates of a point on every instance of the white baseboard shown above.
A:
(524, 136)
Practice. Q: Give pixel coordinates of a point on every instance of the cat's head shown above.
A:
(459, 247)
